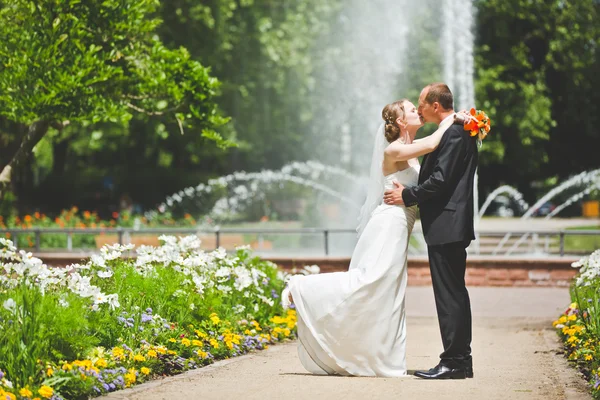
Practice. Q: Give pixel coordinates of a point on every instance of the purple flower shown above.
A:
(149, 310)
(126, 347)
(111, 386)
(274, 294)
(146, 318)
(106, 387)
(1, 374)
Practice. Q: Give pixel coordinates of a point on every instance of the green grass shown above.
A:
(582, 243)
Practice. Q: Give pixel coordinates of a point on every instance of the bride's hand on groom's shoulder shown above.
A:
(393, 197)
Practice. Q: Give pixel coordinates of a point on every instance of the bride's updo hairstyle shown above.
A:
(390, 114)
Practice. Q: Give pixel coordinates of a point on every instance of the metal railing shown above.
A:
(123, 233)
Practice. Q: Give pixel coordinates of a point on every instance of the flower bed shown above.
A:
(74, 218)
(93, 328)
(579, 326)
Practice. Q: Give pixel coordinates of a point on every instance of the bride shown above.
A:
(354, 322)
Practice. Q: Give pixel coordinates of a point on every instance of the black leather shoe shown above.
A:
(443, 372)
(469, 372)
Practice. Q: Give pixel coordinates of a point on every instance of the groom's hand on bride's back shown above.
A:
(393, 197)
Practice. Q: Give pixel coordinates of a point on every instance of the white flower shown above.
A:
(312, 269)
(63, 303)
(105, 274)
(238, 309)
(113, 301)
(10, 305)
(97, 260)
(100, 298)
(192, 306)
(225, 289)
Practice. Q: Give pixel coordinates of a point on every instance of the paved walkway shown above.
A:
(514, 350)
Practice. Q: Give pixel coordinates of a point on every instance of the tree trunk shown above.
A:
(35, 133)
(59, 156)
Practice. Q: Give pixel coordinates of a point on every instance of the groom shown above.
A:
(445, 199)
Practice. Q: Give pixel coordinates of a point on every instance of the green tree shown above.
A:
(73, 61)
(537, 73)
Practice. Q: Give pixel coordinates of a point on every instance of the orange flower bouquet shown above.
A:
(477, 123)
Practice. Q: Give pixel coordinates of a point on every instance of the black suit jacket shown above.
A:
(445, 190)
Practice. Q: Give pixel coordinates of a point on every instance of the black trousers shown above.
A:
(448, 263)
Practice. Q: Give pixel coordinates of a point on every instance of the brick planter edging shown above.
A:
(481, 270)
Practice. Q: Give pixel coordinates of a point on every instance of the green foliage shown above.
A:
(536, 73)
(118, 320)
(95, 61)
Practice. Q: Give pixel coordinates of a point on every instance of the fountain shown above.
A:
(364, 65)
(505, 189)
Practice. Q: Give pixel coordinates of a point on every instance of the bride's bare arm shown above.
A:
(404, 152)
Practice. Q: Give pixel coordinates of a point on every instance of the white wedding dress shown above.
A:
(354, 322)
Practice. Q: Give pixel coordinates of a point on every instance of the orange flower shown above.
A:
(87, 214)
(57, 220)
(115, 215)
(37, 215)
(473, 112)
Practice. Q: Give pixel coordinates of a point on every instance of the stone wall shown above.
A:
(481, 271)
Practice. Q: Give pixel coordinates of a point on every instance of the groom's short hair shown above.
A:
(441, 93)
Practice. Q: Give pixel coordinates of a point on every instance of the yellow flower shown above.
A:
(130, 378)
(256, 325)
(101, 362)
(202, 354)
(201, 334)
(588, 357)
(214, 318)
(67, 367)
(118, 352)
(186, 342)
(278, 320)
(562, 320)
(25, 392)
(46, 391)
(139, 357)
(572, 317)
(214, 343)
(197, 343)
(49, 371)
(152, 354)
(145, 370)
(247, 332)
(572, 339)
(172, 340)
(161, 349)
(171, 352)
(8, 396)
(573, 306)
